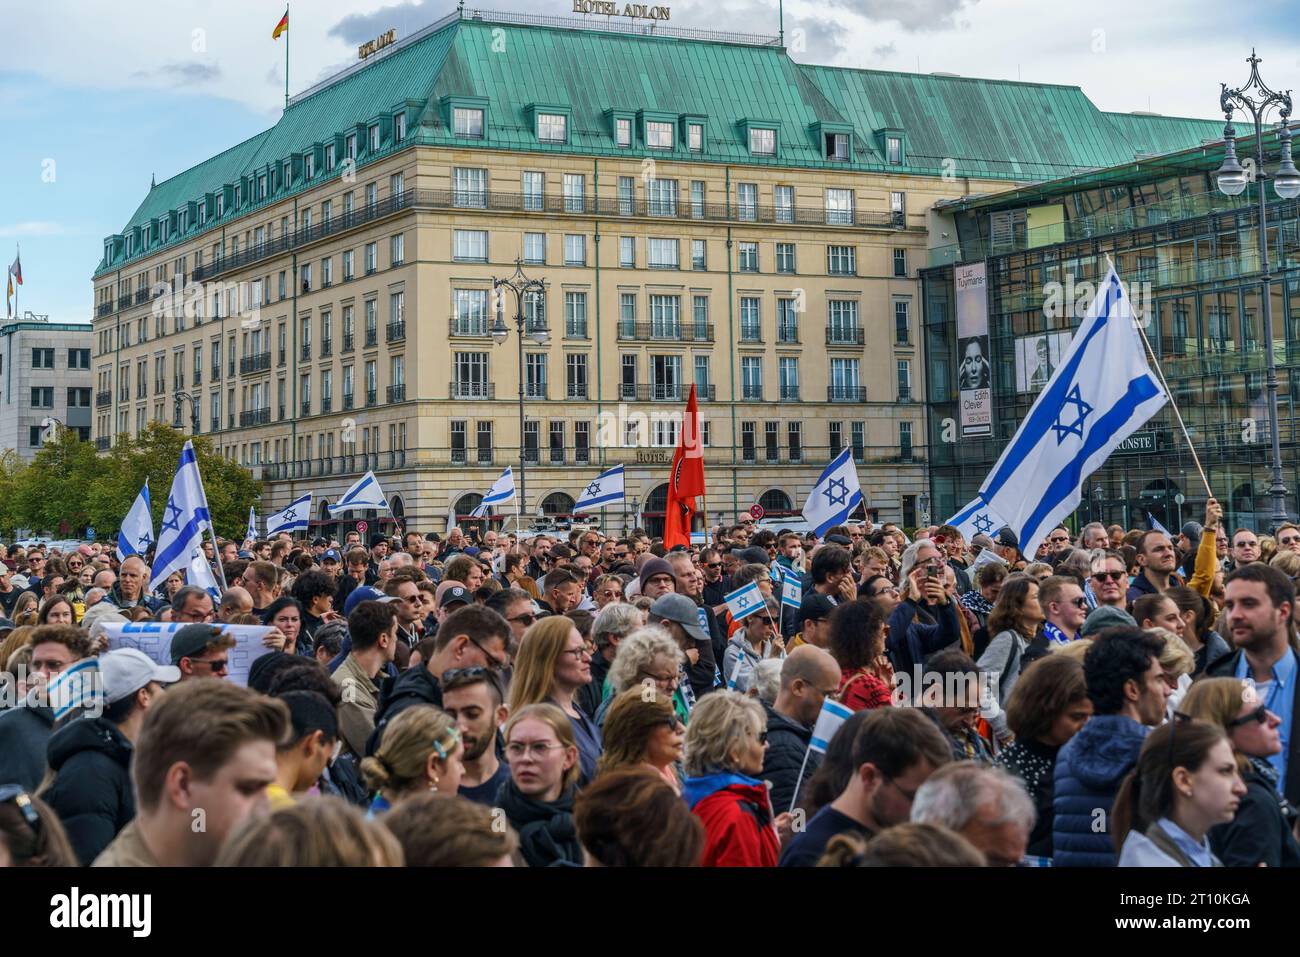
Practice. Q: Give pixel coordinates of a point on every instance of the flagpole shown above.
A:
(1169, 392)
(286, 60)
(794, 799)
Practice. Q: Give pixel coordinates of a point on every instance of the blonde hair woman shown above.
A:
(538, 798)
(1177, 664)
(552, 664)
(643, 730)
(648, 656)
(726, 742)
(315, 832)
(420, 751)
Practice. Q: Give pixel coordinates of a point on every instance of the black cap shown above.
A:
(453, 595)
(319, 541)
(379, 538)
(814, 607)
(753, 555)
(838, 540)
(192, 640)
(1006, 537)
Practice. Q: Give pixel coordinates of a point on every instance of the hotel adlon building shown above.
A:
(701, 208)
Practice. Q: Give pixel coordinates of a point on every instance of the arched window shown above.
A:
(657, 500)
(775, 500)
(467, 503)
(398, 509)
(557, 503)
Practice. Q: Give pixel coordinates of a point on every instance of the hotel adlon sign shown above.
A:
(609, 8)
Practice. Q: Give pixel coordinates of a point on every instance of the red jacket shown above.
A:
(861, 690)
(738, 830)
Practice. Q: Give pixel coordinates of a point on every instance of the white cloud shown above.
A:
(41, 228)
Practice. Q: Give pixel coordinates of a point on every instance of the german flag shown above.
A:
(281, 26)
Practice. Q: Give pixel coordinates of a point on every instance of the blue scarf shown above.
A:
(695, 790)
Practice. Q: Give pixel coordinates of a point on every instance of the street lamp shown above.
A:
(522, 287)
(1097, 493)
(1232, 180)
(194, 409)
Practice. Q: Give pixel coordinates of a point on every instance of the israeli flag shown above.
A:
(976, 519)
(200, 573)
(251, 534)
(77, 686)
(745, 601)
(1156, 526)
(1101, 393)
(606, 489)
(832, 716)
(366, 493)
(791, 588)
(292, 518)
(836, 494)
(184, 520)
(136, 534)
(502, 491)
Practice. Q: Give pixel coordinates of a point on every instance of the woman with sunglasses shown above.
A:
(642, 729)
(1262, 831)
(538, 798)
(726, 742)
(1186, 782)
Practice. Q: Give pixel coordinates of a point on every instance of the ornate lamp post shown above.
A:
(522, 287)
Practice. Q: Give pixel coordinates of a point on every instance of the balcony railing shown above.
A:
(102, 399)
(651, 392)
(575, 391)
(255, 363)
(396, 331)
(216, 373)
(102, 443)
(396, 393)
(787, 335)
(472, 390)
(141, 296)
(349, 341)
(123, 301)
(846, 393)
(347, 401)
(789, 393)
(371, 396)
(305, 351)
(255, 417)
(326, 404)
(844, 336)
(706, 393)
(304, 409)
(104, 308)
(216, 424)
(666, 332)
(469, 327)
(326, 348)
(372, 338)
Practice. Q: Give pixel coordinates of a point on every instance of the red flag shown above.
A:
(686, 479)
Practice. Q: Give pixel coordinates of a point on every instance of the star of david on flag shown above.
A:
(745, 601)
(606, 489)
(975, 519)
(187, 519)
(136, 534)
(291, 518)
(836, 494)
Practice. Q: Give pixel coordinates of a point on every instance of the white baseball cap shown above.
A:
(124, 671)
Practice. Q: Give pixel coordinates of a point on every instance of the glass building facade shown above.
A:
(1190, 257)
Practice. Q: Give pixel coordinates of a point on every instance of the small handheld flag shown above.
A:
(136, 534)
(745, 601)
(606, 489)
(833, 714)
(77, 686)
(791, 588)
(251, 534)
(1156, 526)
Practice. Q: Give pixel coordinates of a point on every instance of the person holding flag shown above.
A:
(686, 480)
(502, 491)
(760, 637)
(180, 540)
(136, 533)
(605, 490)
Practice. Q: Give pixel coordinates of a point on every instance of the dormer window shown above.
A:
(467, 122)
(552, 127)
(350, 146)
(762, 142)
(399, 127)
(894, 150)
(695, 137)
(837, 147)
(623, 132)
(658, 135)
(329, 157)
(372, 138)
(308, 165)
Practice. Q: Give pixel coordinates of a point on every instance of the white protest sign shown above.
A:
(154, 638)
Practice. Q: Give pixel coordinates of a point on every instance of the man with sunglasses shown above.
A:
(473, 697)
(201, 651)
(1108, 583)
(716, 584)
(1064, 607)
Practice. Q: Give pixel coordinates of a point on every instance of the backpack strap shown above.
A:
(1157, 836)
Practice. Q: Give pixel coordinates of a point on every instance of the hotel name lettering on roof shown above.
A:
(608, 8)
(375, 45)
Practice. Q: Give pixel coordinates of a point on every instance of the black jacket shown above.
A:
(590, 696)
(1260, 833)
(24, 737)
(414, 686)
(919, 629)
(91, 793)
(1225, 666)
(787, 743)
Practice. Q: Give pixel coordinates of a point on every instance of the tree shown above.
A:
(154, 455)
(11, 472)
(50, 493)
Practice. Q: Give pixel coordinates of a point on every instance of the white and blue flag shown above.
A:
(745, 601)
(791, 588)
(1101, 393)
(251, 534)
(366, 493)
(291, 518)
(184, 521)
(136, 533)
(80, 685)
(605, 489)
(1156, 526)
(832, 716)
(502, 491)
(836, 494)
(976, 519)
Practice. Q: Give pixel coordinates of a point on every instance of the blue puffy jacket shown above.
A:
(1089, 769)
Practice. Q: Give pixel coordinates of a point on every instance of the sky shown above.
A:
(97, 98)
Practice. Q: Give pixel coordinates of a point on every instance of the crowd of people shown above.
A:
(1120, 697)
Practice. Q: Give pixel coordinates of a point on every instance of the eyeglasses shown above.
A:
(910, 795)
(578, 653)
(713, 564)
(525, 619)
(1079, 602)
(496, 664)
(1259, 715)
(1111, 576)
(673, 724)
(216, 664)
(672, 679)
(537, 749)
(23, 801)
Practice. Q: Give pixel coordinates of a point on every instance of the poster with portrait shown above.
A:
(974, 372)
(1037, 357)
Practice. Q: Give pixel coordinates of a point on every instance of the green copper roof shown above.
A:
(986, 128)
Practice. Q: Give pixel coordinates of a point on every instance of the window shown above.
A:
(894, 150)
(531, 430)
(575, 189)
(534, 191)
(397, 249)
(350, 146)
(842, 315)
(575, 315)
(627, 251)
(469, 245)
(43, 397)
(348, 270)
(762, 142)
(700, 311)
(626, 195)
(898, 207)
(627, 377)
(327, 272)
(396, 187)
(747, 450)
(695, 137)
(329, 157)
(842, 260)
(399, 127)
(698, 247)
(666, 383)
(794, 438)
(483, 441)
(623, 132)
(458, 456)
(470, 187)
(658, 135)
(283, 289)
(900, 263)
(750, 329)
(697, 198)
(467, 122)
(771, 439)
(837, 147)
(748, 257)
(372, 321)
(844, 380)
(902, 325)
(785, 257)
(839, 207)
(306, 277)
(836, 438)
(787, 321)
(788, 369)
(347, 387)
(752, 376)
(534, 247)
(42, 358)
(662, 254)
(581, 443)
(904, 380)
(535, 375)
(471, 312)
(575, 249)
(661, 197)
(372, 382)
(372, 195)
(79, 398)
(372, 138)
(308, 171)
(535, 313)
(304, 394)
(552, 127)
(34, 435)
(557, 442)
(575, 375)
(905, 441)
(665, 317)
(747, 201)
